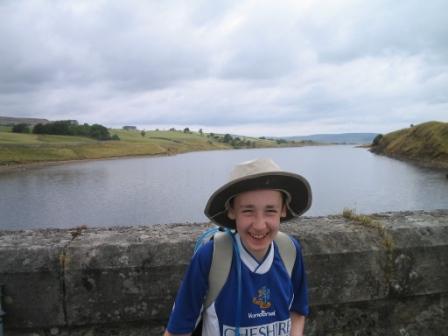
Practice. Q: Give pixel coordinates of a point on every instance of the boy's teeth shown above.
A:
(259, 236)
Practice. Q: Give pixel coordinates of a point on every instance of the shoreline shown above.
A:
(42, 164)
(436, 165)
(36, 165)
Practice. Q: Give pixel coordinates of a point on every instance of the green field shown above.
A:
(4, 128)
(426, 143)
(18, 148)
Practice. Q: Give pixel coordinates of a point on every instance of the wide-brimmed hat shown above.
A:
(257, 175)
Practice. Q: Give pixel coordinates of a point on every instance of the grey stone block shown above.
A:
(31, 274)
(126, 275)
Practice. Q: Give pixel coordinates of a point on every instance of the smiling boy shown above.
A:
(257, 216)
(260, 295)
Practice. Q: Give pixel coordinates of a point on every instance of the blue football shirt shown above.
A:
(268, 295)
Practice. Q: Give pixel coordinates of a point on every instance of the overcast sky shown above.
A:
(272, 68)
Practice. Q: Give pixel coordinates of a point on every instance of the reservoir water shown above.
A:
(174, 189)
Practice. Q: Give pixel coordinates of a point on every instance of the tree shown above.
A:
(227, 138)
(60, 128)
(186, 130)
(143, 133)
(66, 127)
(81, 130)
(377, 140)
(99, 132)
(200, 132)
(38, 128)
(21, 128)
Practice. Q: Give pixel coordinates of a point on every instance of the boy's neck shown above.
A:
(259, 257)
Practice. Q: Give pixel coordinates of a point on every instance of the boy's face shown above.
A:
(257, 215)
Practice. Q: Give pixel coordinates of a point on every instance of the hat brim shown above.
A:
(295, 186)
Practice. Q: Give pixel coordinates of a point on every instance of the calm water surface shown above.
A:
(144, 191)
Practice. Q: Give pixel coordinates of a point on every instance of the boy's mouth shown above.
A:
(258, 236)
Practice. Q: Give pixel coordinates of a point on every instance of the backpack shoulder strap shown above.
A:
(287, 251)
(220, 267)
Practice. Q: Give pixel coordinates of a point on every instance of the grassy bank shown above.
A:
(425, 144)
(18, 148)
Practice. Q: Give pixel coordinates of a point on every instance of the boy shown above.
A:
(259, 296)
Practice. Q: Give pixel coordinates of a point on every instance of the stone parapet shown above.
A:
(385, 274)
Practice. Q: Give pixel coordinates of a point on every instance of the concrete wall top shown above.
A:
(92, 276)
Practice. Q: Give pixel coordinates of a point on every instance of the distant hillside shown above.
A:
(348, 138)
(426, 144)
(13, 121)
(25, 148)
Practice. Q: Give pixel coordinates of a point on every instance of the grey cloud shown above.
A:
(204, 12)
(379, 28)
(230, 64)
(109, 43)
(33, 54)
(264, 46)
(263, 62)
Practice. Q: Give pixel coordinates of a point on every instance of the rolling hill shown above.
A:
(13, 121)
(425, 144)
(19, 148)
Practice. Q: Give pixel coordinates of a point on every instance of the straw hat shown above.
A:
(255, 175)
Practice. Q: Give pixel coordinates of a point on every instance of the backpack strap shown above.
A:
(287, 251)
(220, 267)
(222, 261)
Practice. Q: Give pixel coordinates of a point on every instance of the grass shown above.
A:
(171, 141)
(30, 139)
(425, 143)
(26, 148)
(369, 222)
(4, 128)
(364, 220)
(16, 148)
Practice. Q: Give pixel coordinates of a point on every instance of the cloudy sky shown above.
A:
(250, 67)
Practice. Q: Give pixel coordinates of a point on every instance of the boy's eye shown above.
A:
(270, 213)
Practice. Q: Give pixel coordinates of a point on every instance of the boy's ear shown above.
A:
(231, 214)
(284, 211)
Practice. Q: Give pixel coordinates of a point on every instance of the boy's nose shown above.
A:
(259, 221)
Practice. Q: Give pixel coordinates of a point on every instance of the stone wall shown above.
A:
(382, 275)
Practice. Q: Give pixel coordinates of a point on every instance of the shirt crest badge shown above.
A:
(262, 298)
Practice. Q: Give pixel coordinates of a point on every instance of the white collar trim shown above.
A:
(253, 264)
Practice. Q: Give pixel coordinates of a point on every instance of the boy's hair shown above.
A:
(232, 200)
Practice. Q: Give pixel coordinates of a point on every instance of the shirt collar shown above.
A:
(251, 263)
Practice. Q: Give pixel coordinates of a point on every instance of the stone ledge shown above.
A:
(85, 280)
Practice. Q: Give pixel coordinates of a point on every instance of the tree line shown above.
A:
(95, 131)
(235, 142)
